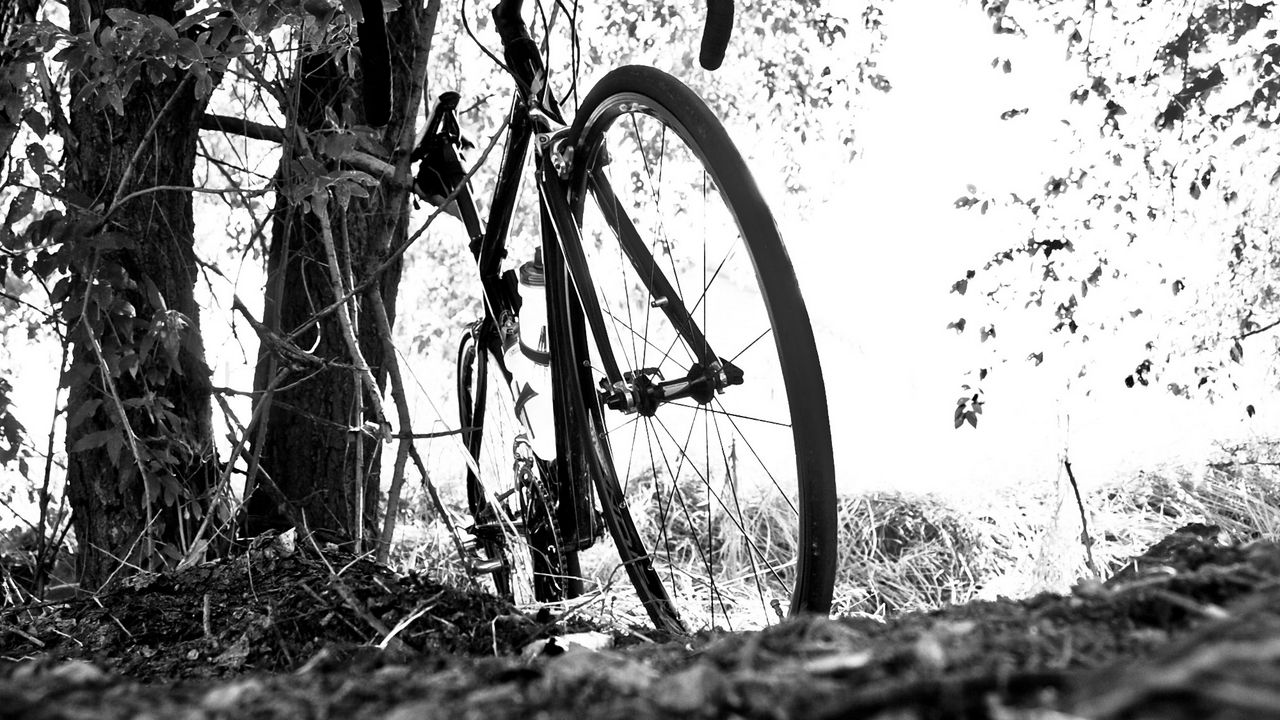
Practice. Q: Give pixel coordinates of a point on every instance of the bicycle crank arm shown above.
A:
(638, 393)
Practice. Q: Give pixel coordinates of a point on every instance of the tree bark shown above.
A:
(308, 446)
(130, 511)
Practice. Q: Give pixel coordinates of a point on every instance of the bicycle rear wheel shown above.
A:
(515, 531)
(700, 381)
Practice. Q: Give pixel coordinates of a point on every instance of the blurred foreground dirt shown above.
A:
(1190, 630)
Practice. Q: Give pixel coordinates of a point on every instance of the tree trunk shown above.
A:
(308, 447)
(132, 312)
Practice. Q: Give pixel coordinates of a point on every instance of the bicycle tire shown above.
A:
(804, 529)
(514, 515)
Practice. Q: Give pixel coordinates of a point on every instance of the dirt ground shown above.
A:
(1190, 630)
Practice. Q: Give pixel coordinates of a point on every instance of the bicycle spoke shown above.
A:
(737, 506)
(756, 455)
(750, 344)
(740, 416)
(750, 542)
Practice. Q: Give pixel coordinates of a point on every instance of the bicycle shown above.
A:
(646, 347)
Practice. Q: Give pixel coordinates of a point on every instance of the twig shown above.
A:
(406, 622)
(1085, 538)
(242, 127)
(1208, 611)
(48, 316)
(320, 207)
(130, 168)
(403, 418)
(444, 514)
(347, 596)
(281, 347)
(196, 548)
(114, 619)
(1259, 330)
(206, 618)
(322, 601)
(41, 546)
(23, 634)
(252, 458)
(241, 192)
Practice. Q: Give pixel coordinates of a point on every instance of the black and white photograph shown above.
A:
(742, 359)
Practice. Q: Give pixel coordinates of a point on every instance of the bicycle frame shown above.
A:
(535, 120)
(570, 481)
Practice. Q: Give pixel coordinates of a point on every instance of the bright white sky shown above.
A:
(877, 261)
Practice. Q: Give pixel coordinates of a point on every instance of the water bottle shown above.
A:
(529, 359)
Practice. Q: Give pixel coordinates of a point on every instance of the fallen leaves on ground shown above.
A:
(1191, 630)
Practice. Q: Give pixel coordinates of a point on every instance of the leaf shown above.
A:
(1236, 353)
(94, 440)
(37, 157)
(960, 286)
(37, 123)
(1037, 357)
(84, 412)
(20, 207)
(1248, 409)
(958, 326)
(153, 295)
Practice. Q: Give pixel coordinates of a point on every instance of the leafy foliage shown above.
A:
(1155, 232)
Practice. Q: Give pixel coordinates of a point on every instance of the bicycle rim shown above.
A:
(732, 496)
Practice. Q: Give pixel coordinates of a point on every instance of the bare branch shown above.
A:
(375, 166)
(242, 127)
(1258, 331)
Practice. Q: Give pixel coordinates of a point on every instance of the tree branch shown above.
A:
(319, 207)
(242, 127)
(1258, 331)
(375, 166)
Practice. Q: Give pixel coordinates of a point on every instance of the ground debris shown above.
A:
(1193, 633)
(268, 612)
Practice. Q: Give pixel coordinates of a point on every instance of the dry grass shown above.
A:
(911, 552)
(902, 552)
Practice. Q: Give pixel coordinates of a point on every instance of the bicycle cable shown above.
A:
(466, 25)
(575, 52)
